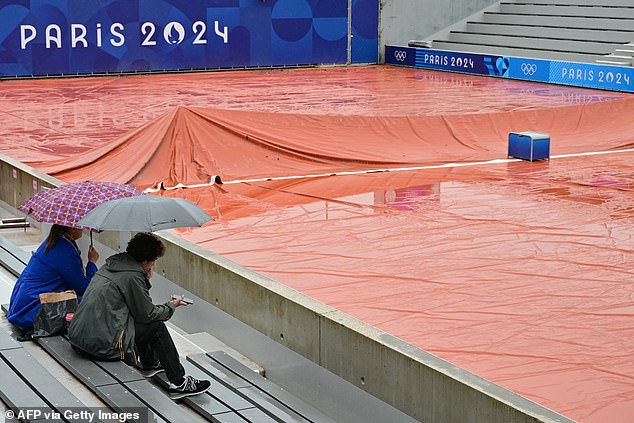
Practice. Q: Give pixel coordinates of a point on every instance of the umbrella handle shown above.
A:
(90, 238)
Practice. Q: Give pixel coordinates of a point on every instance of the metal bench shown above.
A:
(27, 387)
(268, 401)
(12, 257)
(14, 222)
(117, 384)
(269, 388)
(232, 398)
(237, 393)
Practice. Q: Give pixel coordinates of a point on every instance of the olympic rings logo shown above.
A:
(529, 69)
(400, 55)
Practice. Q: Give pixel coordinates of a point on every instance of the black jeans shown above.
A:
(153, 342)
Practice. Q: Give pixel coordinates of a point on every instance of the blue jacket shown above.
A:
(57, 270)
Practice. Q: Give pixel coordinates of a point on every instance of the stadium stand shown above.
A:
(601, 31)
(26, 384)
(237, 393)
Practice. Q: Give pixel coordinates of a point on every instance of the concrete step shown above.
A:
(591, 34)
(514, 51)
(207, 342)
(595, 3)
(583, 47)
(617, 12)
(560, 21)
(614, 62)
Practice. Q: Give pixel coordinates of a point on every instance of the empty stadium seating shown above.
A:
(590, 31)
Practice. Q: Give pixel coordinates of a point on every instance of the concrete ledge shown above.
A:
(19, 182)
(279, 312)
(421, 384)
(408, 378)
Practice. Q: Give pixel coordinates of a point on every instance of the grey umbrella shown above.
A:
(146, 213)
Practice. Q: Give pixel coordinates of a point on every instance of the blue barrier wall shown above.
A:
(365, 31)
(588, 75)
(54, 37)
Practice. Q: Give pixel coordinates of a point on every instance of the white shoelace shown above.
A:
(189, 384)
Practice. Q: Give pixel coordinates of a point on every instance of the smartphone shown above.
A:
(185, 300)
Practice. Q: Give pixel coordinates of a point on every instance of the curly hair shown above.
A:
(145, 247)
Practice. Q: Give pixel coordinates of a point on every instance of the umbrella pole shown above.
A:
(90, 238)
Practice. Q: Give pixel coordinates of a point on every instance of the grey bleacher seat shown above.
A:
(568, 10)
(117, 384)
(7, 342)
(609, 3)
(26, 385)
(12, 257)
(564, 30)
(580, 34)
(16, 394)
(264, 393)
(14, 223)
(559, 21)
(219, 402)
(273, 390)
(237, 394)
(237, 391)
(534, 41)
(514, 51)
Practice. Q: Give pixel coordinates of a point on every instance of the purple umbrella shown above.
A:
(67, 204)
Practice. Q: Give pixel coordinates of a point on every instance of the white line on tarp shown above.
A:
(395, 169)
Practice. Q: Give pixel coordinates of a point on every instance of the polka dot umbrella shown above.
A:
(67, 204)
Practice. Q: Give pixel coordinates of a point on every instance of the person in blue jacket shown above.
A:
(56, 266)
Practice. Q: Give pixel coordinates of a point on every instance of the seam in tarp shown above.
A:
(216, 180)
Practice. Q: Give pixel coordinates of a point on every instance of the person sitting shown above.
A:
(56, 266)
(117, 320)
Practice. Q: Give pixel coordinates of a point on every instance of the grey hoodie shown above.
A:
(117, 297)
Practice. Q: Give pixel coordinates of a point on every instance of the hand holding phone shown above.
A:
(183, 299)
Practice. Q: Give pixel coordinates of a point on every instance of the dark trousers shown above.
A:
(153, 342)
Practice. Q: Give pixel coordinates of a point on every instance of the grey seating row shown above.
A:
(568, 30)
(13, 223)
(613, 11)
(12, 257)
(569, 34)
(595, 3)
(120, 386)
(29, 390)
(559, 21)
(232, 397)
(237, 393)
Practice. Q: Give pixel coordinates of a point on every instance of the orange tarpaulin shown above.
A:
(47, 119)
(519, 272)
(192, 145)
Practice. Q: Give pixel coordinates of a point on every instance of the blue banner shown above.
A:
(365, 31)
(587, 75)
(59, 37)
(447, 60)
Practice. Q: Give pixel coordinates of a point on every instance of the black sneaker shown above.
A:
(188, 388)
(152, 370)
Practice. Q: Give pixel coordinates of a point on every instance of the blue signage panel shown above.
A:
(365, 31)
(52, 37)
(587, 75)
(447, 60)
(529, 69)
(594, 76)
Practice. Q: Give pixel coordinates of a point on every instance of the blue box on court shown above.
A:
(529, 145)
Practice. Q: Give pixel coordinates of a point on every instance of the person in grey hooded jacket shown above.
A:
(117, 320)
